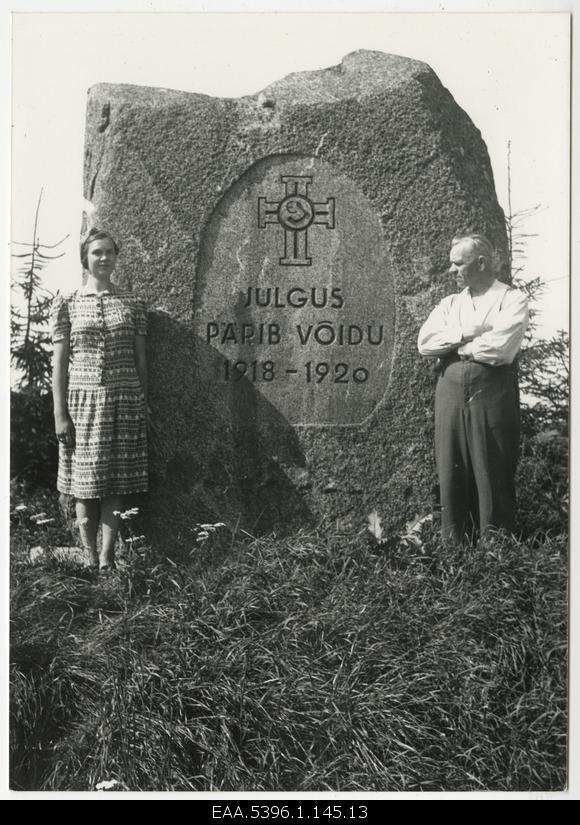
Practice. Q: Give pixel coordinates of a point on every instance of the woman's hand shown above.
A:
(63, 425)
(65, 430)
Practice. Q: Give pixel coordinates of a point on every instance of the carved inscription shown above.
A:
(318, 348)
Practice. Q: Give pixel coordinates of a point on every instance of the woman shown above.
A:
(100, 397)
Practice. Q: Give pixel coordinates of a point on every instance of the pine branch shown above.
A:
(30, 350)
(44, 245)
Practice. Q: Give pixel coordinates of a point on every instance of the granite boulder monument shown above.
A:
(289, 245)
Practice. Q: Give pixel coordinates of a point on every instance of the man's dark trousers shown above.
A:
(476, 447)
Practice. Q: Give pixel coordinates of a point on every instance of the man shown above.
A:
(476, 334)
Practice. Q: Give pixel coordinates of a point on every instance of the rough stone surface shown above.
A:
(339, 188)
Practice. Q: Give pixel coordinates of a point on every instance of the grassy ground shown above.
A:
(310, 664)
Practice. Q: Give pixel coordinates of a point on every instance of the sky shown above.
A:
(510, 72)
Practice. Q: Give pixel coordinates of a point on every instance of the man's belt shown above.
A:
(451, 358)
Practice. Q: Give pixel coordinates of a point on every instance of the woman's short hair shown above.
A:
(95, 235)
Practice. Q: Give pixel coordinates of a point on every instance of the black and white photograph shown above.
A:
(288, 381)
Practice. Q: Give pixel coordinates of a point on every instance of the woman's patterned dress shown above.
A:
(105, 400)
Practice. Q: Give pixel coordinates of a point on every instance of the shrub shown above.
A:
(33, 445)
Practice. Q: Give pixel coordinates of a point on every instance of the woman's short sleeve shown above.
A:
(140, 314)
(59, 318)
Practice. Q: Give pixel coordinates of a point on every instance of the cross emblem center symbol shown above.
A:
(296, 213)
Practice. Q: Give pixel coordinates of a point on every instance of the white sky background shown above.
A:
(510, 72)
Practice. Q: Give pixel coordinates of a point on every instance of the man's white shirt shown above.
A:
(501, 313)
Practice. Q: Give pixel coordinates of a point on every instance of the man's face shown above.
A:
(468, 269)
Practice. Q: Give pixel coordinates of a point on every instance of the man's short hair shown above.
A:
(480, 245)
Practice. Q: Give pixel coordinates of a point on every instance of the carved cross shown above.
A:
(296, 213)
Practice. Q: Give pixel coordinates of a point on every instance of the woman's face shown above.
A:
(101, 258)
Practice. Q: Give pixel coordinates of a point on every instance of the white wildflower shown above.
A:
(375, 527)
(36, 554)
(108, 785)
(128, 513)
(413, 535)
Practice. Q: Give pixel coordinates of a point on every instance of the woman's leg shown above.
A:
(87, 512)
(110, 509)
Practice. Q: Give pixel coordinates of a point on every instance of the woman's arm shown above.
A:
(141, 362)
(64, 427)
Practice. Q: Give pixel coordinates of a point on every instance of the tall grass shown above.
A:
(311, 664)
